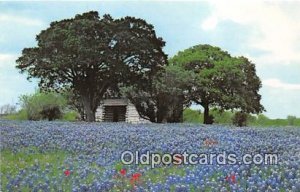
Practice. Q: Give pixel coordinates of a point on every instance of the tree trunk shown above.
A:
(178, 111)
(88, 110)
(90, 115)
(162, 108)
(159, 116)
(206, 115)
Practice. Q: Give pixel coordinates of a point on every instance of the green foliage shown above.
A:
(41, 105)
(192, 116)
(12, 162)
(162, 100)
(91, 55)
(297, 122)
(219, 80)
(196, 116)
(226, 117)
(291, 120)
(74, 104)
(261, 120)
(20, 115)
(240, 119)
(70, 116)
(222, 117)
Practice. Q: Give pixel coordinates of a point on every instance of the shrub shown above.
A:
(51, 113)
(43, 105)
(71, 116)
(291, 120)
(221, 117)
(20, 115)
(240, 119)
(192, 116)
(262, 120)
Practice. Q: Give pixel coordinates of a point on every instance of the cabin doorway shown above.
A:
(114, 113)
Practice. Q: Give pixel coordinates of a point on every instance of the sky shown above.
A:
(267, 32)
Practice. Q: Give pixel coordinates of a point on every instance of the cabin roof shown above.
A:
(115, 102)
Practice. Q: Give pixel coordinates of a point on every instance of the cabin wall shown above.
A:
(132, 116)
(99, 113)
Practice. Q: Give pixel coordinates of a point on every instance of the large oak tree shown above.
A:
(220, 80)
(89, 54)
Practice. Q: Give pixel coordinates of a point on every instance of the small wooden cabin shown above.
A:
(117, 110)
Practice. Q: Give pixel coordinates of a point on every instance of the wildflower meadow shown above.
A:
(64, 156)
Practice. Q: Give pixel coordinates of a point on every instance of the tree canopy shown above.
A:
(219, 80)
(90, 54)
(92, 57)
(163, 98)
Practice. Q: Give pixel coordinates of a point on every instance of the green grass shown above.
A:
(156, 175)
(225, 118)
(192, 116)
(12, 163)
(21, 115)
(160, 174)
(275, 122)
(70, 116)
(51, 163)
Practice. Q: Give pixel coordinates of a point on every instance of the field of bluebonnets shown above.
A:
(63, 156)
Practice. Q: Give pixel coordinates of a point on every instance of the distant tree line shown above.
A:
(41, 106)
(91, 57)
(7, 109)
(233, 118)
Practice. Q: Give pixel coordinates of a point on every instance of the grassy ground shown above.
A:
(192, 116)
(22, 115)
(50, 164)
(28, 159)
(195, 116)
